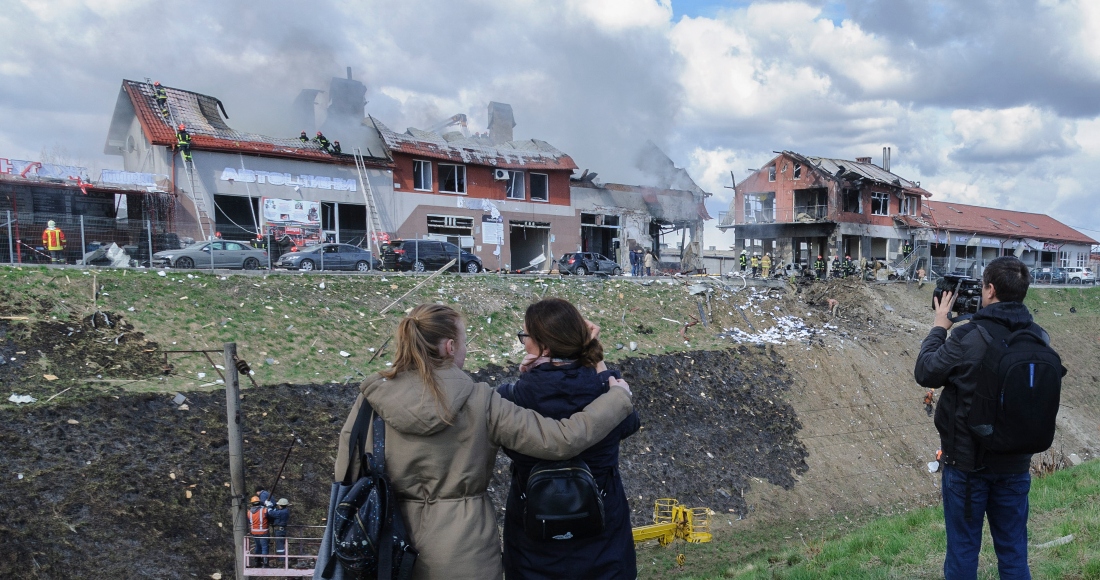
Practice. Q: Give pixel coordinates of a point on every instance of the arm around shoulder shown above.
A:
(527, 432)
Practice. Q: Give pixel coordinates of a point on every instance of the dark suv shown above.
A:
(581, 263)
(426, 255)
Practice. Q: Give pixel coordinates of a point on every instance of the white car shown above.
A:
(1080, 276)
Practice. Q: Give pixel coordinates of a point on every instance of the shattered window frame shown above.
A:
(516, 178)
(847, 195)
(422, 175)
(880, 203)
(797, 170)
(544, 178)
(909, 205)
(771, 172)
(452, 176)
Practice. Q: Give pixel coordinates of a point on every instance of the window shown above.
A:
(540, 187)
(1032, 225)
(797, 170)
(422, 175)
(1082, 259)
(1013, 223)
(771, 172)
(452, 178)
(515, 185)
(909, 204)
(760, 208)
(1063, 259)
(851, 201)
(233, 246)
(880, 203)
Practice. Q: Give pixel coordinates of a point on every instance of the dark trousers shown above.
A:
(259, 546)
(186, 150)
(1003, 499)
(55, 257)
(280, 544)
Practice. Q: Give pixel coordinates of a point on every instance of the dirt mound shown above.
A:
(712, 421)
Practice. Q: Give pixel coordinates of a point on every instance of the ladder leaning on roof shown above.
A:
(374, 221)
(198, 200)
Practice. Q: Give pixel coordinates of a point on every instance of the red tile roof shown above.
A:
(476, 150)
(1002, 222)
(200, 114)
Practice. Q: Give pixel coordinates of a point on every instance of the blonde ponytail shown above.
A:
(418, 336)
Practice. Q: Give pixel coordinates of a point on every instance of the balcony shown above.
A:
(798, 214)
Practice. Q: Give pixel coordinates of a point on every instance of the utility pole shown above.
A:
(238, 511)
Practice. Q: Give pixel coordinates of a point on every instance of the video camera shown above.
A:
(968, 292)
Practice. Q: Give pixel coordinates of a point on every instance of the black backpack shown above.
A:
(562, 502)
(369, 536)
(1019, 390)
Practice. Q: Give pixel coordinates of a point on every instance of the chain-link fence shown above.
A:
(78, 239)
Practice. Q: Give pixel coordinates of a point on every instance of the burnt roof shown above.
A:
(858, 170)
(476, 149)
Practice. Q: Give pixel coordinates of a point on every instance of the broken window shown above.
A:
(422, 175)
(760, 208)
(515, 185)
(771, 172)
(797, 170)
(909, 204)
(540, 187)
(452, 178)
(880, 203)
(851, 200)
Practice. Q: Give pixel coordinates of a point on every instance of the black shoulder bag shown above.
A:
(365, 536)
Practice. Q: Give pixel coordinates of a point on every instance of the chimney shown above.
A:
(888, 156)
(863, 159)
(501, 122)
(349, 73)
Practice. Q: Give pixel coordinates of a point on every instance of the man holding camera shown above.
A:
(978, 482)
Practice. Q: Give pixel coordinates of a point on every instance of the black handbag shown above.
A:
(365, 536)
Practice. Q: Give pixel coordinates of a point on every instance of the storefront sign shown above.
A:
(288, 179)
(299, 219)
(42, 170)
(127, 178)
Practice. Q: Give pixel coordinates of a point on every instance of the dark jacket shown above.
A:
(558, 392)
(279, 516)
(954, 362)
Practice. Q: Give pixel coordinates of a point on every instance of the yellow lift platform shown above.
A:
(672, 520)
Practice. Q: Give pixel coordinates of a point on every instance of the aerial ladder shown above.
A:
(202, 213)
(672, 520)
(375, 232)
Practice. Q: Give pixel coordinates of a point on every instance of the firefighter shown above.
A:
(280, 516)
(819, 267)
(766, 264)
(906, 248)
(183, 141)
(162, 97)
(835, 266)
(849, 266)
(53, 239)
(304, 138)
(322, 141)
(744, 261)
(335, 148)
(257, 528)
(754, 263)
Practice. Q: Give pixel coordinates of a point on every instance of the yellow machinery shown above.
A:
(672, 520)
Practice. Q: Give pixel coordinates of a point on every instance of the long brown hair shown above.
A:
(418, 337)
(557, 325)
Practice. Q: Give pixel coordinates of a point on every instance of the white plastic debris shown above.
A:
(131, 309)
(202, 375)
(933, 466)
(371, 349)
(162, 273)
(19, 475)
(20, 399)
(345, 353)
(633, 346)
(321, 285)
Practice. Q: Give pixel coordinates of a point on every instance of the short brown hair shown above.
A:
(557, 325)
(1009, 277)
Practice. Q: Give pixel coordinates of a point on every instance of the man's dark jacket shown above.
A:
(954, 362)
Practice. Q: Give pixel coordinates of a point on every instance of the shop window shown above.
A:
(540, 187)
(452, 178)
(515, 185)
(851, 201)
(422, 175)
(880, 203)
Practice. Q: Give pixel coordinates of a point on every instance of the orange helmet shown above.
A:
(182, 127)
(156, 83)
(318, 133)
(255, 499)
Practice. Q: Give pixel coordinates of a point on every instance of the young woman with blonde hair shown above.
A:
(442, 435)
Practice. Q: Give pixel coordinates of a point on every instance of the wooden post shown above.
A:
(239, 509)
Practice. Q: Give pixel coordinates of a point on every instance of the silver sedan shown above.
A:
(217, 254)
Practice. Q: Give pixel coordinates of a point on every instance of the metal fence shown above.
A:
(98, 241)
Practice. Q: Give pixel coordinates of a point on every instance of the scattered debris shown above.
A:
(345, 353)
(50, 377)
(21, 399)
(179, 399)
(1059, 542)
(633, 346)
(73, 422)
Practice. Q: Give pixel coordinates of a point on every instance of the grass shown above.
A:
(909, 545)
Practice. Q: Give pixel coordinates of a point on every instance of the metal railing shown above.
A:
(298, 559)
(788, 215)
(136, 239)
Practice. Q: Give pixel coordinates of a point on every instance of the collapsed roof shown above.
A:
(858, 172)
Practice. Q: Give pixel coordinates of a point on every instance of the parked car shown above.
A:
(582, 263)
(1078, 275)
(1048, 275)
(330, 257)
(226, 254)
(426, 255)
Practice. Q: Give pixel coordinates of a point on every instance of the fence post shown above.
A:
(83, 243)
(11, 245)
(149, 239)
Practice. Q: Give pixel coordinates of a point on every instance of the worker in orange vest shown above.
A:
(54, 241)
(257, 528)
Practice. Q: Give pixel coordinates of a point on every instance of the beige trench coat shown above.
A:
(440, 472)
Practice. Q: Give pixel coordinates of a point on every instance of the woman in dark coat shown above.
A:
(563, 372)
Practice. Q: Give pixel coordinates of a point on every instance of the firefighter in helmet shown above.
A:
(53, 239)
(183, 141)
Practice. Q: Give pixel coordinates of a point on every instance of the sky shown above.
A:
(985, 102)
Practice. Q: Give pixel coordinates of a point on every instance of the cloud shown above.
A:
(1011, 135)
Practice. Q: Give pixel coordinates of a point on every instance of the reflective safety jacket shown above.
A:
(819, 265)
(53, 239)
(161, 94)
(744, 259)
(257, 520)
(755, 262)
(765, 262)
(183, 138)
